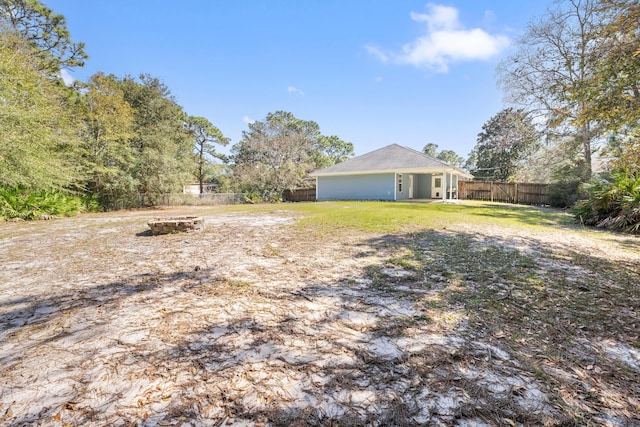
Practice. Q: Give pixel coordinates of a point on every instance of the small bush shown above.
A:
(253, 197)
(563, 194)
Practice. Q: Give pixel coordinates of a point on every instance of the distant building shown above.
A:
(389, 173)
(194, 189)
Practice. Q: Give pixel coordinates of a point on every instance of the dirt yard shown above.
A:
(255, 323)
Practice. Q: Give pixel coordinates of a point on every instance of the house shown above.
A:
(389, 173)
(194, 189)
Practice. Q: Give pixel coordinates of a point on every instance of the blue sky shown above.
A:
(373, 72)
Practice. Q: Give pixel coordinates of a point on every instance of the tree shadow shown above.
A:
(447, 327)
(632, 243)
(570, 318)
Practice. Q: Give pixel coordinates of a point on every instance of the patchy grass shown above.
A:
(570, 319)
(340, 313)
(392, 217)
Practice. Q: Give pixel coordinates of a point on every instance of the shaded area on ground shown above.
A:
(252, 321)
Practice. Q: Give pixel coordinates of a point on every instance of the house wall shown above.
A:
(358, 187)
(423, 182)
(404, 194)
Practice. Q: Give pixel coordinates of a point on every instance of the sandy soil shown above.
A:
(245, 323)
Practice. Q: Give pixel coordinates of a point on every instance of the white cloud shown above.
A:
(294, 91)
(445, 41)
(66, 77)
(378, 79)
(248, 120)
(439, 18)
(378, 52)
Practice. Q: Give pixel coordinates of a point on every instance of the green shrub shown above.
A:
(253, 197)
(26, 204)
(563, 194)
(613, 202)
(91, 204)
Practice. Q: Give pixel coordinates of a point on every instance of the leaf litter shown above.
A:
(252, 322)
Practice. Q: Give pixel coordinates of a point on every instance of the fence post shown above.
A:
(491, 190)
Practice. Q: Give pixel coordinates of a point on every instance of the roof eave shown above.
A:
(450, 169)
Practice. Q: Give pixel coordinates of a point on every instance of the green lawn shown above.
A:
(393, 217)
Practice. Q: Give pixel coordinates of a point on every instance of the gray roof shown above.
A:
(392, 158)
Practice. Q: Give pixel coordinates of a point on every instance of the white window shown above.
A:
(400, 183)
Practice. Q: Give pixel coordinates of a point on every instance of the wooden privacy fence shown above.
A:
(300, 195)
(508, 192)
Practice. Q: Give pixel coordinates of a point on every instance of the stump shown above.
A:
(182, 224)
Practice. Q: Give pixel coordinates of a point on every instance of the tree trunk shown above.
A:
(585, 140)
(201, 169)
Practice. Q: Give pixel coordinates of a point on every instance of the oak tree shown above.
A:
(506, 140)
(615, 84)
(548, 73)
(278, 153)
(325, 150)
(270, 158)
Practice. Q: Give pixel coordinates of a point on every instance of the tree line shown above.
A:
(100, 144)
(572, 85)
